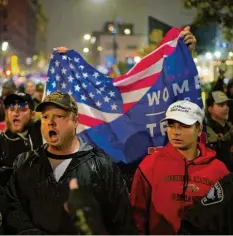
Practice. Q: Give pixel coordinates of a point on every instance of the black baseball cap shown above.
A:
(23, 97)
(61, 100)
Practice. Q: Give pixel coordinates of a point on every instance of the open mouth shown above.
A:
(52, 133)
(16, 121)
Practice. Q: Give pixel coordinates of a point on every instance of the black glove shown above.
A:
(85, 211)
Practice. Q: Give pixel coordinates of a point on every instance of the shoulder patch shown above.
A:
(215, 195)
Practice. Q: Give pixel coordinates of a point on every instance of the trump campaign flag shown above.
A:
(122, 116)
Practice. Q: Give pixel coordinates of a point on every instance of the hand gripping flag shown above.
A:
(122, 116)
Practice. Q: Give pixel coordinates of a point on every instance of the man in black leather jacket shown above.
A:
(22, 133)
(39, 186)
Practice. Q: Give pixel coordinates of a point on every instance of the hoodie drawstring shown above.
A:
(185, 180)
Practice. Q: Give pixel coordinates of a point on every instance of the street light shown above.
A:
(127, 31)
(217, 54)
(99, 48)
(86, 50)
(4, 46)
(209, 55)
(137, 59)
(195, 60)
(87, 37)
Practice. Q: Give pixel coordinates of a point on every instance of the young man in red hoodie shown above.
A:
(169, 181)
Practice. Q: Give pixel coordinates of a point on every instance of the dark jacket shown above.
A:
(214, 214)
(12, 144)
(36, 199)
(223, 146)
(2, 110)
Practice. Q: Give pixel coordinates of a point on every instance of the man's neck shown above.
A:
(221, 122)
(65, 150)
(190, 154)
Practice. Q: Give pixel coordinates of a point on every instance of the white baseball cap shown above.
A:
(185, 112)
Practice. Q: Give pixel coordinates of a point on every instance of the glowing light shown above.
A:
(87, 37)
(86, 50)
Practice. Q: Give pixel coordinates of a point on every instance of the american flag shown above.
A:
(103, 100)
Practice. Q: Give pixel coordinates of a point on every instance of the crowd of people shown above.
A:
(52, 182)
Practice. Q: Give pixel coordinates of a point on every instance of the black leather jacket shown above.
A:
(36, 200)
(12, 144)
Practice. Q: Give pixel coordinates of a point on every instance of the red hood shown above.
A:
(206, 154)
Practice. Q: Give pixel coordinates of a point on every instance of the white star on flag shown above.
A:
(102, 89)
(70, 79)
(83, 97)
(63, 71)
(98, 83)
(81, 67)
(106, 99)
(91, 95)
(57, 77)
(111, 93)
(48, 92)
(85, 75)
(63, 85)
(77, 87)
(76, 59)
(114, 106)
(98, 91)
(77, 76)
(71, 66)
(64, 57)
(96, 75)
(70, 92)
(84, 85)
(52, 70)
(57, 63)
(54, 84)
(98, 104)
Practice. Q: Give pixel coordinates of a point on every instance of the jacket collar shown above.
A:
(206, 156)
(80, 157)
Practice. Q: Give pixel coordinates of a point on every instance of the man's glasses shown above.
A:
(21, 105)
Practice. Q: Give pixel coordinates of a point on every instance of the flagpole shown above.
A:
(114, 32)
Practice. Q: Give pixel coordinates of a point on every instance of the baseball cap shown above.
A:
(24, 97)
(39, 88)
(220, 97)
(9, 85)
(62, 100)
(185, 112)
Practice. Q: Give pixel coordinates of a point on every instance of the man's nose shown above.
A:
(176, 130)
(51, 121)
(16, 110)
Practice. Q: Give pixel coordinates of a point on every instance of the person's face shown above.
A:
(231, 91)
(30, 88)
(58, 127)
(219, 111)
(38, 95)
(18, 116)
(183, 136)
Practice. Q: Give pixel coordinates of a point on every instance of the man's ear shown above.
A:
(33, 113)
(200, 130)
(76, 120)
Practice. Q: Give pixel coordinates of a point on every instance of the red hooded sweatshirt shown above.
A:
(165, 185)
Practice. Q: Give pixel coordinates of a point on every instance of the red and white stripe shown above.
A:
(133, 85)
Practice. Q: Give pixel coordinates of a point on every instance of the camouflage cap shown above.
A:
(61, 100)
